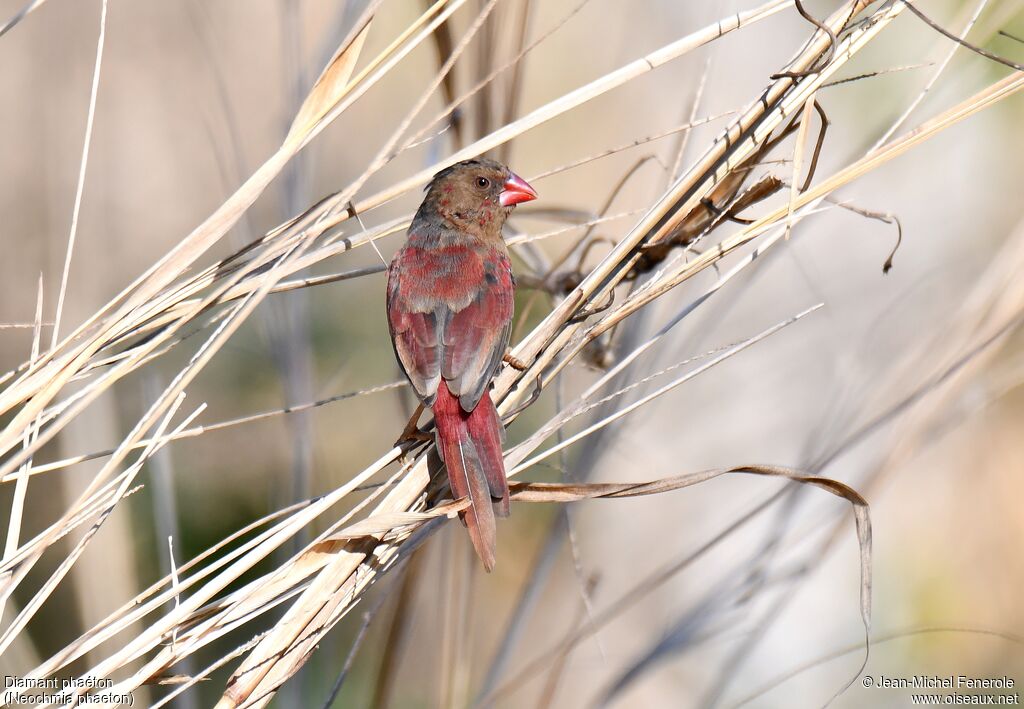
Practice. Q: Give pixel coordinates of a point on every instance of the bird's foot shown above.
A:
(412, 435)
(410, 440)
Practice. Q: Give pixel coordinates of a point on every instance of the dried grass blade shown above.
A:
(83, 165)
(21, 484)
(329, 88)
(799, 150)
(379, 525)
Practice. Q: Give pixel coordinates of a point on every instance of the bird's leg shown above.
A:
(412, 433)
(516, 364)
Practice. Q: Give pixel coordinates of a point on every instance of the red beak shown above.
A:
(516, 190)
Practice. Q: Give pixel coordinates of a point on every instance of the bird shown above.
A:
(450, 294)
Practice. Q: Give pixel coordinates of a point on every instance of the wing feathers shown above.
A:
(450, 313)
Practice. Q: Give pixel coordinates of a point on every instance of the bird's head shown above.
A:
(476, 195)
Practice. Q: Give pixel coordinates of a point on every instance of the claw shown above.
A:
(412, 434)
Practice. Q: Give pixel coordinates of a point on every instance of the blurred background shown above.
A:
(886, 388)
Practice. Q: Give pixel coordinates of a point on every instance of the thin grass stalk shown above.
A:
(80, 187)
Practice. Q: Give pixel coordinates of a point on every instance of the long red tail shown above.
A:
(470, 445)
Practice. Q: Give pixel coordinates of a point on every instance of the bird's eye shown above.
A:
(482, 182)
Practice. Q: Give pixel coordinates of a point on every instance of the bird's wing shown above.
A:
(450, 313)
(415, 327)
(475, 338)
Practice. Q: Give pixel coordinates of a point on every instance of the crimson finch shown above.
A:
(449, 305)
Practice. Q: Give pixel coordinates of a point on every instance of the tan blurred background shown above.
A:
(195, 95)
